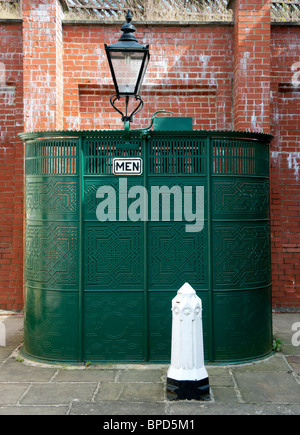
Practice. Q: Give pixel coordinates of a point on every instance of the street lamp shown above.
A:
(128, 61)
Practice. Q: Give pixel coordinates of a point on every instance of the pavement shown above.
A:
(267, 387)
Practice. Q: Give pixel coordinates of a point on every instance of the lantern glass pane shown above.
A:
(127, 66)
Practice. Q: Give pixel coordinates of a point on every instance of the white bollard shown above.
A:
(187, 377)
(2, 334)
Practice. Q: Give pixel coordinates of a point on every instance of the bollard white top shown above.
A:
(186, 289)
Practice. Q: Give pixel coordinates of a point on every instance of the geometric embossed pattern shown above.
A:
(241, 196)
(175, 257)
(51, 255)
(241, 253)
(51, 195)
(114, 255)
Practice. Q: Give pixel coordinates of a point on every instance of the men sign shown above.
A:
(128, 166)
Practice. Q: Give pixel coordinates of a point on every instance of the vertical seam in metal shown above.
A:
(146, 311)
(209, 155)
(269, 241)
(81, 247)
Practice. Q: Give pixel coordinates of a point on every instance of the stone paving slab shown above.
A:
(270, 386)
(136, 392)
(59, 394)
(34, 410)
(185, 408)
(282, 328)
(142, 375)
(15, 371)
(141, 391)
(294, 361)
(267, 387)
(118, 408)
(275, 363)
(224, 395)
(5, 352)
(178, 409)
(14, 330)
(10, 393)
(86, 375)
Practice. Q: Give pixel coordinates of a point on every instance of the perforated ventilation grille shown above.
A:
(51, 157)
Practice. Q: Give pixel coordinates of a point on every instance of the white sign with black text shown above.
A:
(127, 166)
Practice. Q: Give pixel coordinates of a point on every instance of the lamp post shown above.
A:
(128, 61)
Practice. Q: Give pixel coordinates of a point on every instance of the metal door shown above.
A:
(134, 263)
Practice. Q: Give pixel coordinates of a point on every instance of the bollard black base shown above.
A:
(188, 390)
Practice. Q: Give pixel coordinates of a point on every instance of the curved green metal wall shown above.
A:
(102, 292)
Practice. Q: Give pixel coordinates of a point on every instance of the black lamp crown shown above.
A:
(128, 61)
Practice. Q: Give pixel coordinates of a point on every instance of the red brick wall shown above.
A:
(190, 73)
(285, 166)
(11, 167)
(251, 90)
(220, 75)
(43, 68)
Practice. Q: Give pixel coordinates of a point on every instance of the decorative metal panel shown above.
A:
(51, 324)
(240, 197)
(51, 157)
(240, 157)
(241, 254)
(100, 151)
(246, 319)
(171, 155)
(113, 326)
(51, 258)
(114, 256)
(51, 195)
(176, 257)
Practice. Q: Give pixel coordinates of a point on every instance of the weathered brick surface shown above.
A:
(190, 74)
(251, 85)
(11, 167)
(43, 67)
(242, 77)
(285, 166)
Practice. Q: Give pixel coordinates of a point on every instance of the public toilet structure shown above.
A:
(101, 290)
(117, 221)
